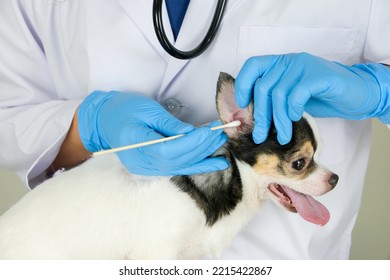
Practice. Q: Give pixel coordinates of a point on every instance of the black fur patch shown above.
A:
(243, 148)
(219, 194)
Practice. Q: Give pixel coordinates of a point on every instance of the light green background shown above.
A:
(371, 237)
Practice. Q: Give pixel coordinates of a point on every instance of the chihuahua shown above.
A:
(99, 210)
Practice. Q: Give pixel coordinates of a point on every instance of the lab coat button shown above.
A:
(172, 105)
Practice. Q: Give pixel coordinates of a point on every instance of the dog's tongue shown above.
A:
(309, 208)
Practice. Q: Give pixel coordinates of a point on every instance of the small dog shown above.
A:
(100, 211)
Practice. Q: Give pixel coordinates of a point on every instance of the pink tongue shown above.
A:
(309, 208)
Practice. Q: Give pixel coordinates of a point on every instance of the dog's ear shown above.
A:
(228, 109)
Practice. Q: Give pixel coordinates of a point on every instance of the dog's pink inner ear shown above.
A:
(228, 108)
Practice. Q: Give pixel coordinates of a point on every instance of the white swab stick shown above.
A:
(147, 143)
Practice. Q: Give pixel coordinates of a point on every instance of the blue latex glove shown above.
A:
(283, 86)
(113, 119)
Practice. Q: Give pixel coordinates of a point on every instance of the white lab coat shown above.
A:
(54, 53)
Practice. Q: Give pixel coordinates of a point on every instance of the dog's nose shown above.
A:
(333, 180)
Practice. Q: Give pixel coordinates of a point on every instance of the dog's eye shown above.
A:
(299, 164)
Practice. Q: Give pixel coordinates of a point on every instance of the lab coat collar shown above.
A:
(194, 27)
(140, 12)
(197, 22)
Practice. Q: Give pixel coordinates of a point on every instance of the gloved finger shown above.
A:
(193, 142)
(206, 148)
(280, 95)
(204, 166)
(282, 122)
(137, 132)
(319, 109)
(169, 155)
(302, 92)
(203, 150)
(263, 105)
(133, 133)
(167, 125)
(253, 69)
(154, 164)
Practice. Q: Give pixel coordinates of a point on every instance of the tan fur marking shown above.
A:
(307, 152)
(307, 149)
(267, 164)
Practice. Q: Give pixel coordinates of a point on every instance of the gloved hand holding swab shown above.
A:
(147, 143)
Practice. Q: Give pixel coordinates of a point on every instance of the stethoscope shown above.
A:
(204, 44)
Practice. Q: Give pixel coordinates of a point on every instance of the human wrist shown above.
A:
(72, 151)
(88, 115)
(377, 79)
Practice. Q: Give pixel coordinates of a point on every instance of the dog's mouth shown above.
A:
(307, 207)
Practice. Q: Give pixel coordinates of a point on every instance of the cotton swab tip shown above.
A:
(233, 124)
(227, 125)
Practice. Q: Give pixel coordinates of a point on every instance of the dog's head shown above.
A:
(287, 174)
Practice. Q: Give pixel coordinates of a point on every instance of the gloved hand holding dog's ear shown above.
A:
(113, 119)
(283, 86)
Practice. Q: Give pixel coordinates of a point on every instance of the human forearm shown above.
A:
(72, 151)
(32, 135)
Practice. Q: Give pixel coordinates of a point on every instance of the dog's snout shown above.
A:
(333, 180)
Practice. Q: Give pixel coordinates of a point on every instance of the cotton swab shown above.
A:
(147, 143)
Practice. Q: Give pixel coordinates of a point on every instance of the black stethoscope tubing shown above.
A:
(204, 44)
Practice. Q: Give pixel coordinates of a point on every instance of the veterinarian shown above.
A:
(81, 76)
